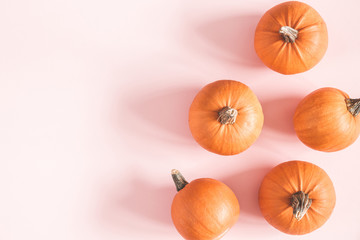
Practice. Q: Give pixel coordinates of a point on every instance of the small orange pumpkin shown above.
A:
(291, 38)
(297, 197)
(204, 209)
(327, 120)
(226, 117)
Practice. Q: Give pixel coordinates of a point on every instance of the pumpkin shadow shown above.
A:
(143, 201)
(233, 39)
(246, 186)
(151, 202)
(278, 113)
(166, 111)
(154, 203)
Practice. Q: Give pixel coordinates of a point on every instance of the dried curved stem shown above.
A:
(179, 179)
(289, 34)
(300, 202)
(353, 105)
(227, 115)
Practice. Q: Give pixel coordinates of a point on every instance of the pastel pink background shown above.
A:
(94, 97)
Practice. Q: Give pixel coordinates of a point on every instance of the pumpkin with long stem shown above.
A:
(291, 38)
(327, 120)
(226, 117)
(204, 209)
(297, 197)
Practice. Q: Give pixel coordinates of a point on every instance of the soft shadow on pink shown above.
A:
(165, 109)
(279, 112)
(246, 185)
(154, 203)
(150, 201)
(233, 39)
(144, 203)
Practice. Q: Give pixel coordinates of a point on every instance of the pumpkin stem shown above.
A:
(227, 115)
(300, 202)
(289, 34)
(179, 179)
(353, 105)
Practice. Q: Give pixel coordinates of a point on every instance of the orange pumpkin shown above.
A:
(327, 120)
(203, 209)
(297, 197)
(225, 117)
(291, 38)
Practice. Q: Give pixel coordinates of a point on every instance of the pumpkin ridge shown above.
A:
(279, 53)
(313, 218)
(281, 212)
(287, 177)
(275, 19)
(236, 129)
(300, 180)
(312, 209)
(217, 130)
(301, 19)
(215, 135)
(210, 97)
(299, 54)
(292, 222)
(309, 182)
(312, 25)
(280, 215)
(281, 186)
(299, 44)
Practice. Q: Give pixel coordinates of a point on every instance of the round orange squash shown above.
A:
(204, 209)
(327, 120)
(225, 117)
(291, 38)
(297, 197)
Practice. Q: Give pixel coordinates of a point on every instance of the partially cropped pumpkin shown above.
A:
(204, 209)
(297, 197)
(291, 38)
(225, 117)
(327, 120)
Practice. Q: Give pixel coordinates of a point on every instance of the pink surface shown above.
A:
(94, 98)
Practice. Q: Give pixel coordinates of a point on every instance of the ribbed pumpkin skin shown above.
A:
(288, 178)
(308, 48)
(322, 121)
(205, 209)
(225, 139)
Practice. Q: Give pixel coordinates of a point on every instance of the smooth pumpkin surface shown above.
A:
(205, 209)
(291, 57)
(323, 120)
(291, 177)
(225, 138)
